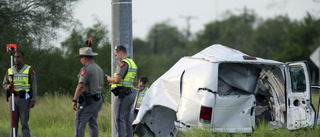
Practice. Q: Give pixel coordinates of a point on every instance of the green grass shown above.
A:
(315, 99)
(53, 116)
(261, 130)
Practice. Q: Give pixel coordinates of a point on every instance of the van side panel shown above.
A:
(234, 113)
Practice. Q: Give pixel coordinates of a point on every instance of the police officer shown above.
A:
(88, 94)
(142, 90)
(123, 81)
(142, 86)
(25, 92)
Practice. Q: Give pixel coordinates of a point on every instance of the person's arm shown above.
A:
(121, 71)
(33, 80)
(79, 90)
(6, 83)
(114, 80)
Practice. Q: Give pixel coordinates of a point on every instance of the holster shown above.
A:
(81, 99)
(97, 97)
(21, 93)
(121, 91)
(115, 91)
(87, 98)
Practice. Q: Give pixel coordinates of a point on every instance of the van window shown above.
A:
(298, 79)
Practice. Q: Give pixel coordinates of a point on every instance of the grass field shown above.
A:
(53, 116)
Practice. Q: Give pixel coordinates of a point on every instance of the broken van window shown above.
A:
(298, 80)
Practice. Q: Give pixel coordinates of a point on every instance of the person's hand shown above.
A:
(32, 104)
(74, 106)
(108, 77)
(11, 84)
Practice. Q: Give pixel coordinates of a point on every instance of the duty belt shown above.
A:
(18, 93)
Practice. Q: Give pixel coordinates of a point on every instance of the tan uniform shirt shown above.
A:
(93, 77)
(122, 69)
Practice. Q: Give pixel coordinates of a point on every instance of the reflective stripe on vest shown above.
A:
(21, 79)
(141, 95)
(128, 80)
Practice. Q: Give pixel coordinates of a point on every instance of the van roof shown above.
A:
(218, 53)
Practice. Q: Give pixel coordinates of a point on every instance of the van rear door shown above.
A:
(300, 111)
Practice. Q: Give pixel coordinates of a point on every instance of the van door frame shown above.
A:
(300, 111)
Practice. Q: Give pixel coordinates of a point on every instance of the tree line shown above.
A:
(278, 38)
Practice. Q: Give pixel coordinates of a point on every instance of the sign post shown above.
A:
(12, 48)
(315, 58)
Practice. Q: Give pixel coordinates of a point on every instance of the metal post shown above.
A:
(121, 30)
(12, 99)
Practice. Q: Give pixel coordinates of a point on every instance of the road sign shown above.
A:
(315, 57)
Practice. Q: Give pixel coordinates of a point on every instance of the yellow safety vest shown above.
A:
(128, 80)
(21, 79)
(141, 95)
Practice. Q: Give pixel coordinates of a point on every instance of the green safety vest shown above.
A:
(141, 95)
(128, 80)
(21, 79)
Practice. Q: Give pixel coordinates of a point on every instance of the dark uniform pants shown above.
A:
(22, 111)
(122, 115)
(87, 113)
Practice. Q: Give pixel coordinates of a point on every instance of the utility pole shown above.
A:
(155, 40)
(121, 30)
(156, 29)
(188, 32)
(246, 12)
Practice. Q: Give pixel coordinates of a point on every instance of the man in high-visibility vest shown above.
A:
(25, 92)
(122, 84)
(142, 86)
(142, 90)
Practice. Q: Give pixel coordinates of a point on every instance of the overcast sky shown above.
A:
(146, 13)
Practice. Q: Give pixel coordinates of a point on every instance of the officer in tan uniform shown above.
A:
(88, 94)
(123, 81)
(25, 92)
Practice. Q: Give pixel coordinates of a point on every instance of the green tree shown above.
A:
(25, 22)
(269, 35)
(50, 70)
(75, 41)
(234, 31)
(301, 40)
(31, 25)
(141, 47)
(163, 38)
(163, 47)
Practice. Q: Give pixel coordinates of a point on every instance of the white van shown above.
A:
(227, 91)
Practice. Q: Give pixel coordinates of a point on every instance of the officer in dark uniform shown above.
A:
(88, 94)
(123, 81)
(25, 92)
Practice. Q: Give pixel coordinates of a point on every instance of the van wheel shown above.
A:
(142, 130)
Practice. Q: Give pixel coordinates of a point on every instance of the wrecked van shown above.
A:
(225, 90)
